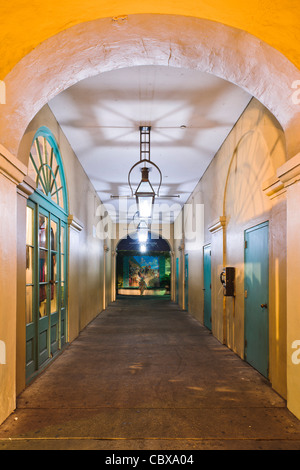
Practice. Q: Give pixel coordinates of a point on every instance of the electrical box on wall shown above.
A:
(227, 278)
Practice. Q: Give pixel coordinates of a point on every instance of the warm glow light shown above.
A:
(143, 249)
(143, 235)
(145, 207)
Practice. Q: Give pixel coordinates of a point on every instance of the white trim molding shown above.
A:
(75, 223)
(219, 224)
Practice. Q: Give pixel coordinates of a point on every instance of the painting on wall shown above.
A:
(152, 269)
(146, 268)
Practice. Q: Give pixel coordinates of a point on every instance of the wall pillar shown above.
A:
(277, 194)
(114, 275)
(24, 190)
(12, 173)
(289, 176)
(173, 276)
(181, 275)
(105, 280)
(219, 323)
(74, 252)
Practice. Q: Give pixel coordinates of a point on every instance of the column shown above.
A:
(24, 190)
(173, 276)
(289, 176)
(12, 173)
(218, 261)
(114, 276)
(277, 193)
(74, 277)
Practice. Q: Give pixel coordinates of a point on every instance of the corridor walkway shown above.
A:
(146, 375)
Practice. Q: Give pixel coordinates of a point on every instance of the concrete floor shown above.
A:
(146, 375)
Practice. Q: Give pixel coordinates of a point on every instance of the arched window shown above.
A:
(46, 169)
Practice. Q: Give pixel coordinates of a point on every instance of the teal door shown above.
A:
(257, 297)
(177, 280)
(186, 282)
(207, 285)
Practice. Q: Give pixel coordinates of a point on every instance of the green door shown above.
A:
(257, 297)
(46, 278)
(186, 282)
(207, 285)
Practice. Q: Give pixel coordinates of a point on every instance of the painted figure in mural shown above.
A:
(142, 285)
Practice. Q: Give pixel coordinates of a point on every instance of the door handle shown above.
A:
(264, 305)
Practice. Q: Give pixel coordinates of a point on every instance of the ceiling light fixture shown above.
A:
(142, 231)
(144, 193)
(143, 248)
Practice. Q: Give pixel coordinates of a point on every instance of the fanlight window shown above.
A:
(46, 170)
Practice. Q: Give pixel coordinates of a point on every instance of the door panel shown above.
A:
(31, 340)
(43, 291)
(257, 297)
(207, 285)
(63, 282)
(54, 284)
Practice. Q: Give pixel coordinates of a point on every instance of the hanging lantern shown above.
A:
(145, 194)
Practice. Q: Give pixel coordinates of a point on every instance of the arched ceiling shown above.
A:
(190, 114)
(25, 25)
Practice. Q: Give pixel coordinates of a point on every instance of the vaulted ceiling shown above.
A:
(190, 114)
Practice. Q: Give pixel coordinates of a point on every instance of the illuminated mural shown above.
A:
(143, 267)
(153, 270)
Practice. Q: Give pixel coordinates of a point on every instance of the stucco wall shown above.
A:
(8, 210)
(232, 188)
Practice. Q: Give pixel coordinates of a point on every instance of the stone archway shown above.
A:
(91, 48)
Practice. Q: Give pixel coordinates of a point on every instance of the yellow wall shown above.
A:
(232, 188)
(293, 304)
(11, 174)
(8, 210)
(27, 24)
